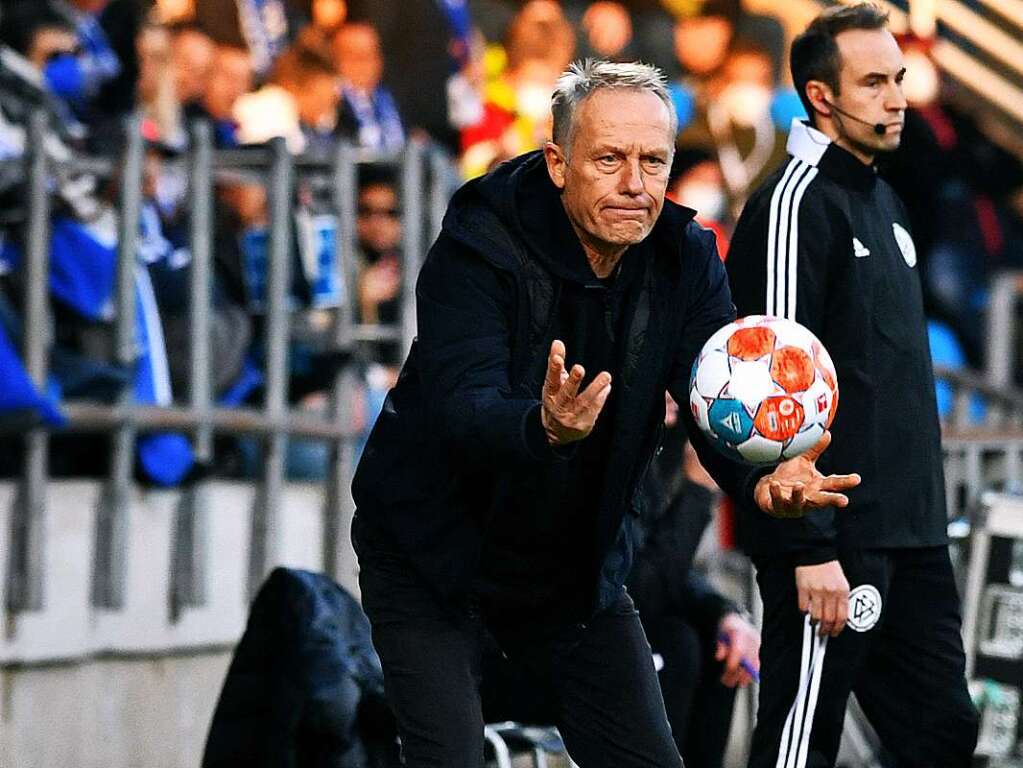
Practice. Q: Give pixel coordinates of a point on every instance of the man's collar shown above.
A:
(813, 147)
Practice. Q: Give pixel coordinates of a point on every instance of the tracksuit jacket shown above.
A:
(826, 242)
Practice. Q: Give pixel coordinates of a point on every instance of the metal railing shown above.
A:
(424, 178)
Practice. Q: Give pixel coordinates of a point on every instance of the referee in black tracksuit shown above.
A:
(860, 599)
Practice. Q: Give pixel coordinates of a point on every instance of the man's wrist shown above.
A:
(815, 555)
(548, 430)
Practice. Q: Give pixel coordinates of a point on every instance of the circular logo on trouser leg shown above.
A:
(864, 608)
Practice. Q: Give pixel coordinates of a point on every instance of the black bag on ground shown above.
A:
(305, 687)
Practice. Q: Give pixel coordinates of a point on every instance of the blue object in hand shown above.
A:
(743, 661)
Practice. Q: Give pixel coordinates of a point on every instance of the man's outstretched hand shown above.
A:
(567, 414)
(796, 487)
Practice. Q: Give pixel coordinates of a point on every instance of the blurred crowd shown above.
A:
(472, 77)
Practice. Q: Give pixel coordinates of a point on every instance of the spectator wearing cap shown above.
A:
(368, 112)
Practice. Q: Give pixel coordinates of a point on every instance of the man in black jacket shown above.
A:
(826, 242)
(490, 492)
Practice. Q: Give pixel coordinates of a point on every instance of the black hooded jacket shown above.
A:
(458, 475)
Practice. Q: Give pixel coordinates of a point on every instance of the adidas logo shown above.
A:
(733, 421)
(859, 249)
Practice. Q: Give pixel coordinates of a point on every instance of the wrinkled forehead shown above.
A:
(625, 117)
(867, 51)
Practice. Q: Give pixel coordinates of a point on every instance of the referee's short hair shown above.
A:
(815, 54)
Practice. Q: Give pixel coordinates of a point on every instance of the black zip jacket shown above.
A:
(826, 242)
(458, 467)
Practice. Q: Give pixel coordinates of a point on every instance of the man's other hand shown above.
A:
(567, 414)
(824, 594)
(796, 487)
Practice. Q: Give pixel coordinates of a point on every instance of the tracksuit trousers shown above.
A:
(901, 653)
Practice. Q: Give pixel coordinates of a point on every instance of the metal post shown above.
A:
(263, 552)
(412, 237)
(974, 474)
(338, 557)
(1012, 467)
(110, 560)
(1000, 357)
(188, 556)
(26, 557)
(439, 170)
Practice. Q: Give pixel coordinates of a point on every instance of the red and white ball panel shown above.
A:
(763, 389)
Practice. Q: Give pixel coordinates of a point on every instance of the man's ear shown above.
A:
(819, 94)
(557, 164)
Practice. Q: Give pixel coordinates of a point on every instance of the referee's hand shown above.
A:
(796, 487)
(823, 592)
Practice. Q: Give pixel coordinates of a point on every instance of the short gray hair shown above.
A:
(583, 78)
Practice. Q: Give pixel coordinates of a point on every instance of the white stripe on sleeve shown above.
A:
(792, 250)
(772, 226)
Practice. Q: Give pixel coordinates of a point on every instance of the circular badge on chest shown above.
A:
(905, 241)
(864, 608)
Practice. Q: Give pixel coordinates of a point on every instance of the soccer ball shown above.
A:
(763, 389)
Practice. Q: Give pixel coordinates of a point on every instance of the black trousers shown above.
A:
(606, 698)
(698, 704)
(901, 654)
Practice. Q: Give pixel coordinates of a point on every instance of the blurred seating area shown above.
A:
(471, 79)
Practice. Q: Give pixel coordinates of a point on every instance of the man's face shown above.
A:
(317, 101)
(616, 172)
(192, 56)
(870, 80)
(378, 224)
(230, 78)
(359, 60)
(701, 43)
(153, 48)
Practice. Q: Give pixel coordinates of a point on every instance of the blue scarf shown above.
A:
(378, 119)
(264, 26)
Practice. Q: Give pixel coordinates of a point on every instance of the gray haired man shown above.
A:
(496, 493)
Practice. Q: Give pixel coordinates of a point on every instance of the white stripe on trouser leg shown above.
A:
(772, 245)
(793, 244)
(811, 706)
(795, 711)
(795, 736)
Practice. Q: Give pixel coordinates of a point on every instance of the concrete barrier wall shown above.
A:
(83, 687)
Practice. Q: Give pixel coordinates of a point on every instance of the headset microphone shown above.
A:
(879, 128)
